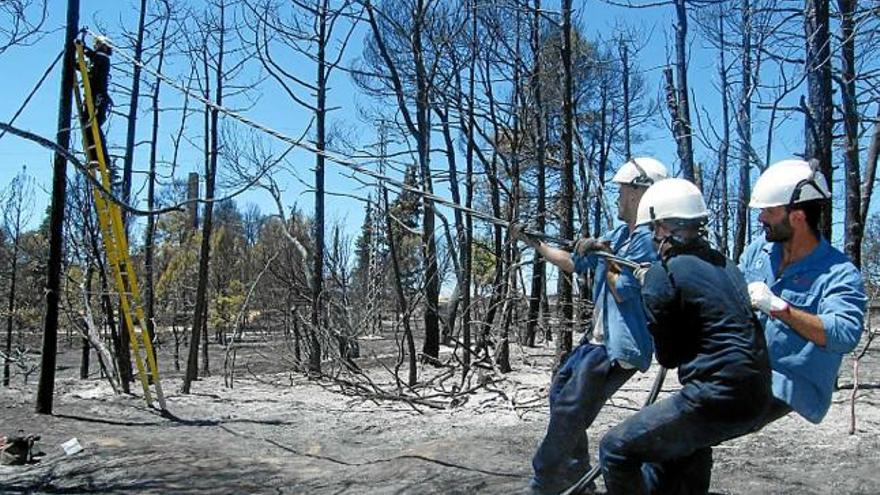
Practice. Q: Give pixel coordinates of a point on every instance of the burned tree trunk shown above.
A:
(538, 267)
(819, 119)
(682, 118)
(564, 342)
(46, 387)
(853, 220)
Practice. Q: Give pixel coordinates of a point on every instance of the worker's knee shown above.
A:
(613, 447)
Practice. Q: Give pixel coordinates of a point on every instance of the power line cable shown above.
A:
(33, 91)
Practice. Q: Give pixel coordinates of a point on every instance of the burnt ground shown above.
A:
(279, 432)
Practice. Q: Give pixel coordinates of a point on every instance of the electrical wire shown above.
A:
(33, 91)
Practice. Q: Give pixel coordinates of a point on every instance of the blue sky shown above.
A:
(275, 110)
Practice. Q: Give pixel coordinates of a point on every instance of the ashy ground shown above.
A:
(278, 432)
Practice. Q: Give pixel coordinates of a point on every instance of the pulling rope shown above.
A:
(33, 92)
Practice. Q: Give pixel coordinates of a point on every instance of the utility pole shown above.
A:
(46, 387)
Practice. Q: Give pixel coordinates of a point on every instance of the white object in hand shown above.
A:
(763, 299)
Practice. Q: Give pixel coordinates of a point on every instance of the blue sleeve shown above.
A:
(582, 264)
(641, 250)
(842, 309)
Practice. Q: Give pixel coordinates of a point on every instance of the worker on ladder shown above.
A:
(99, 79)
(99, 76)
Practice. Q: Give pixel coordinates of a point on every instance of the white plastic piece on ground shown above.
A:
(71, 446)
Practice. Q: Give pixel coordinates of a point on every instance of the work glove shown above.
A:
(586, 245)
(517, 232)
(640, 273)
(764, 300)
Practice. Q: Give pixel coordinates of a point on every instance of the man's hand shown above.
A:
(612, 267)
(586, 245)
(763, 299)
(518, 232)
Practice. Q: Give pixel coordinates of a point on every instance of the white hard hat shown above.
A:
(671, 199)
(102, 40)
(789, 182)
(642, 171)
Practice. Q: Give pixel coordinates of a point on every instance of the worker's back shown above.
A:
(698, 310)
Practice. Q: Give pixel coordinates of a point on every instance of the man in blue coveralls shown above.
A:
(698, 311)
(594, 371)
(810, 296)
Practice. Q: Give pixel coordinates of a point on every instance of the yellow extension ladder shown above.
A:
(113, 235)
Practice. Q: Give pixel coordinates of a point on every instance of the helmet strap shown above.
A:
(809, 181)
(643, 179)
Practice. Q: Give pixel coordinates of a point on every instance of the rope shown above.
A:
(33, 92)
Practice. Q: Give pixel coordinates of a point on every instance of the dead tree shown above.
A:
(744, 131)
(23, 22)
(46, 387)
(17, 209)
(416, 16)
(850, 109)
(149, 235)
(539, 270)
(134, 98)
(564, 341)
(870, 168)
(307, 34)
(818, 107)
(682, 118)
(200, 315)
(723, 153)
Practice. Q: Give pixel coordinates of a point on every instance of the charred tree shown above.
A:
(566, 308)
(539, 134)
(46, 387)
(819, 120)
